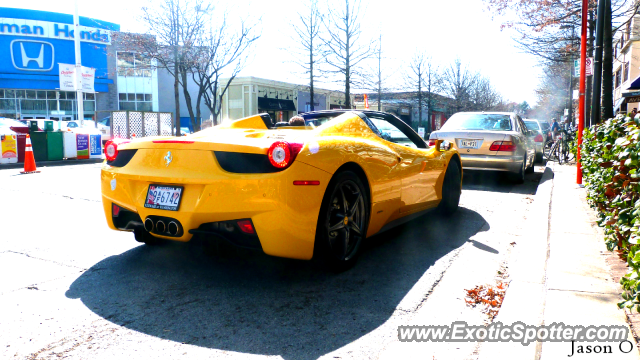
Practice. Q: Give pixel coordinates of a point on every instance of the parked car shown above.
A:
(496, 141)
(14, 125)
(341, 182)
(544, 133)
(105, 128)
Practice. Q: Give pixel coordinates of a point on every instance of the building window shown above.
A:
(618, 77)
(135, 102)
(132, 64)
(625, 71)
(40, 104)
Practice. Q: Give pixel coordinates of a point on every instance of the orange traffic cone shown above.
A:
(29, 160)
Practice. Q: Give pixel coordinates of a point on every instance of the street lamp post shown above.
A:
(571, 69)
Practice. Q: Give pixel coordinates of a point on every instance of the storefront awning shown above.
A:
(635, 84)
(276, 104)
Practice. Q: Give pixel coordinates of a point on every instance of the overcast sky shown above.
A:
(443, 29)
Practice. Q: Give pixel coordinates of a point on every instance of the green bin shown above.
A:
(33, 126)
(47, 145)
(39, 145)
(55, 151)
(48, 125)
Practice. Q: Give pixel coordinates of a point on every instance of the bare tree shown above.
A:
(421, 76)
(176, 26)
(221, 53)
(347, 49)
(376, 79)
(310, 51)
(457, 83)
(483, 95)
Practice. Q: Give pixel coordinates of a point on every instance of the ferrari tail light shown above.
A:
(246, 226)
(116, 210)
(281, 153)
(111, 148)
(538, 138)
(503, 146)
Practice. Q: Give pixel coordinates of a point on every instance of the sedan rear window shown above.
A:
(532, 125)
(545, 126)
(466, 121)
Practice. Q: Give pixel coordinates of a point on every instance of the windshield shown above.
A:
(470, 121)
(318, 121)
(106, 121)
(532, 125)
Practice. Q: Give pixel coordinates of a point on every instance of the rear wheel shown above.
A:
(451, 189)
(143, 236)
(546, 150)
(343, 221)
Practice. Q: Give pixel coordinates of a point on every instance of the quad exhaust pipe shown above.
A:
(173, 228)
(148, 225)
(158, 226)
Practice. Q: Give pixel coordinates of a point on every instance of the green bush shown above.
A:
(610, 155)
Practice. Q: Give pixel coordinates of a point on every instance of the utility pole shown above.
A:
(597, 71)
(79, 94)
(570, 90)
(583, 77)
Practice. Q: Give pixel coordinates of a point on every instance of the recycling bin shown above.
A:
(39, 145)
(55, 149)
(48, 125)
(47, 145)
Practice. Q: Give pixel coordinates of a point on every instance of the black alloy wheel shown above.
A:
(451, 190)
(343, 221)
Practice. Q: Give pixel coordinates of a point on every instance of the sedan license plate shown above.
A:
(469, 144)
(163, 197)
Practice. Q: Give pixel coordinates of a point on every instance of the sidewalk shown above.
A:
(560, 274)
(53, 163)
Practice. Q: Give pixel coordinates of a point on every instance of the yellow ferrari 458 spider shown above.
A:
(298, 192)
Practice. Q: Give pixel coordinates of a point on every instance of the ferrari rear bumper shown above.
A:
(284, 216)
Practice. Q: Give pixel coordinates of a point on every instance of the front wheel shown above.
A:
(451, 189)
(547, 150)
(343, 221)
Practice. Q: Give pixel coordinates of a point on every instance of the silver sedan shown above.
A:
(496, 141)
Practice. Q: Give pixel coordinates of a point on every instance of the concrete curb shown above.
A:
(525, 296)
(53, 163)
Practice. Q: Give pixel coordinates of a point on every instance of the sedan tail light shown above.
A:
(281, 153)
(432, 142)
(538, 138)
(111, 148)
(503, 146)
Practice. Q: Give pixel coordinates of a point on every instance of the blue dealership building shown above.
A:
(33, 43)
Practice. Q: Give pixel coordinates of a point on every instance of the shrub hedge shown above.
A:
(610, 159)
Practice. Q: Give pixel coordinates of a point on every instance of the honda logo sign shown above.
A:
(32, 55)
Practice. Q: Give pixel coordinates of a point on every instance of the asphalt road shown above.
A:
(73, 288)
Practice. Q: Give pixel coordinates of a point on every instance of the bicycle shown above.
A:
(559, 148)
